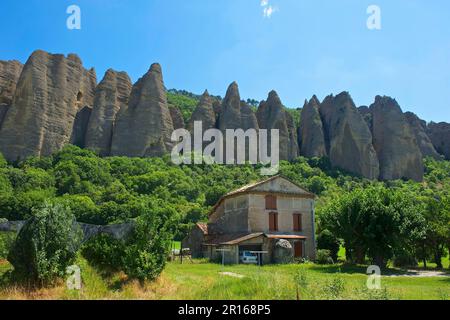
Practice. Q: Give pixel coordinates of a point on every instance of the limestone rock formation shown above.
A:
(272, 114)
(440, 136)
(419, 128)
(203, 113)
(177, 117)
(235, 114)
(51, 90)
(144, 129)
(80, 127)
(311, 134)
(3, 110)
(347, 137)
(394, 141)
(111, 95)
(9, 75)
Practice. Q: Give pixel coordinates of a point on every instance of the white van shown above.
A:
(247, 257)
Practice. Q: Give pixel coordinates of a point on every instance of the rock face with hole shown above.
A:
(80, 125)
(311, 134)
(398, 152)
(419, 128)
(51, 90)
(144, 128)
(440, 136)
(348, 139)
(273, 115)
(111, 95)
(3, 110)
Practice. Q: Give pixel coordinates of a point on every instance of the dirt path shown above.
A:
(421, 274)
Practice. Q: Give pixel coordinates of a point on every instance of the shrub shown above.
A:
(105, 252)
(46, 245)
(6, 242)
(324, 257)
(147, 250)
(327, 240)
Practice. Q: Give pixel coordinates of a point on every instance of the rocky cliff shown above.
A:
(111, 95)
(348, 139)
(235, 114)
(204, 113)
(440, 136)
(51, 90)
(144, 128)
(273, 115)
(9, 76)
(419, 128)
(53, 100)
(394, 141)
(311, 134)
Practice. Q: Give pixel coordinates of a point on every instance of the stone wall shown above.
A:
(117, 231)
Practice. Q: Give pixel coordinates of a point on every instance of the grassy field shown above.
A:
(201, 280)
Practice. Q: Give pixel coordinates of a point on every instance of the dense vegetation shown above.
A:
(400, 221)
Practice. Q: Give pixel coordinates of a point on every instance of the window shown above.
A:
(298, 227)
(273, 221)
(271, 202)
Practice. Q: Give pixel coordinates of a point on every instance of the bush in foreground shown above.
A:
(46, 245)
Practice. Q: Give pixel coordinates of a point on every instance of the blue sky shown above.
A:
(305, 47)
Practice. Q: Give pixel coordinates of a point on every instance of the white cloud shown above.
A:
(268, 9)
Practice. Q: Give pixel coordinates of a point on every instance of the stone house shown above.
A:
(273, 218)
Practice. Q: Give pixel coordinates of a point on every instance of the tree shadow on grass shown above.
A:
(354, 269)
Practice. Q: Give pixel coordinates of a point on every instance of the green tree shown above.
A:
(375, 222)
(147, 250)
(328, 241)
(46, 245)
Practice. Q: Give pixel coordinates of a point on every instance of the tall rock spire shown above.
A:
(311, 135)
(144, 128)
(347, 137)
(272, 114)
(394, 141)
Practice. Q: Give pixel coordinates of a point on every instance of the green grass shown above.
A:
(202, 281)
(176, 245)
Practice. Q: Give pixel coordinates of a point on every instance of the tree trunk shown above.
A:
(360, 255)
(438, 257)
(424, 256)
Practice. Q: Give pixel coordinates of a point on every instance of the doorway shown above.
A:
(298, 249)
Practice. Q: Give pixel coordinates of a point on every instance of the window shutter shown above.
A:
(273, 221)
(298, 222)
(295, 222)
(271, 202)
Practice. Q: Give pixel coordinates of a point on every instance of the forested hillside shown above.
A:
(117, 189)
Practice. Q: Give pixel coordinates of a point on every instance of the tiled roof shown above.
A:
(203, 227)
(285, 236)
(237, 238)
(231, 239)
